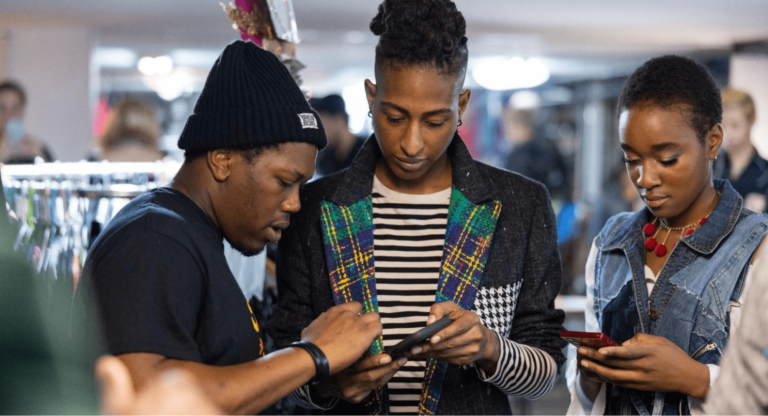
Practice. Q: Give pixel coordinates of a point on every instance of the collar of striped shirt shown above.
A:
(358, 182)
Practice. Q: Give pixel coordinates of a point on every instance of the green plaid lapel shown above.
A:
(468, 236)
(348, 239)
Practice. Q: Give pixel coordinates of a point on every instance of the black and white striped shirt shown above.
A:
(408, 236)
(409, 232)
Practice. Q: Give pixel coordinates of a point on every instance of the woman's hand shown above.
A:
(649, 363)
(464, 341)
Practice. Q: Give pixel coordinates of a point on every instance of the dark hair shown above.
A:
(9, 85)
(332, 105)
(421, 32)
(672, 80)
(250, 155)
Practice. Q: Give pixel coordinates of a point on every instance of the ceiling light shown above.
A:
(147, 65)
(501, 74)
(161, 65)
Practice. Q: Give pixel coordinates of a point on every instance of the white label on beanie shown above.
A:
(308, 121)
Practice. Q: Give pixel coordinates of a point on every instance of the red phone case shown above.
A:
(597, 339)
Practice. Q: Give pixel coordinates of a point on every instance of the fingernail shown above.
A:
(402, 361)
(582, 350)
(417, 350)
(386, 359)
(585, 363)
(431, 319)
(435, 340)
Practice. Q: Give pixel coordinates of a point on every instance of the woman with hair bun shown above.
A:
(417, 230)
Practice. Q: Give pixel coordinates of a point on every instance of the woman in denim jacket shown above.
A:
(665, 282)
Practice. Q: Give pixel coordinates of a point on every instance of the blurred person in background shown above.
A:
(343, 145)
(535, 157)
(667, 282)
(131, 133)
(16, 145)
(740, 163)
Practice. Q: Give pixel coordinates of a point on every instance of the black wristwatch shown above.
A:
(322, 369)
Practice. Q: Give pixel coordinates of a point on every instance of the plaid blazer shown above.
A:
(514, 243)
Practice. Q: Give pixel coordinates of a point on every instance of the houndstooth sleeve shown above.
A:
(522, 370)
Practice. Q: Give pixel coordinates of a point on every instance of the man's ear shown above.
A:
(220, 163)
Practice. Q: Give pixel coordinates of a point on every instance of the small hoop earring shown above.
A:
(370, 114)
(460, 123)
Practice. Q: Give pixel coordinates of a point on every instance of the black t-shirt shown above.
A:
(163, 285)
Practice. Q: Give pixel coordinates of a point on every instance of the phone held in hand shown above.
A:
(396, 351)
(588, 339)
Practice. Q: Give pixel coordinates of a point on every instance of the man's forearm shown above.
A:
(246, 388)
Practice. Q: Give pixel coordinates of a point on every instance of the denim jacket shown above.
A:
(689, 302)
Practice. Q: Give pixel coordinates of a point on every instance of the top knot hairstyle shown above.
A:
(673, 80)
(422, 33)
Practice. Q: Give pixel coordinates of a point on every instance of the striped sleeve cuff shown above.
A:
(303, 398)
(522, 370)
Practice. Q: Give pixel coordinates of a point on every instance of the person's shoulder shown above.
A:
(756, 218)
(154, 213)
(156, 208)
(616, 223)
(619, 219)
(761, 162)
(322, 188)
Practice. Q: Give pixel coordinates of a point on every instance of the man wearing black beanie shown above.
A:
(165, 294)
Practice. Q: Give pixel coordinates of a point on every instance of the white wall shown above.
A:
(749, 72)
(52, 62)
(4, 34)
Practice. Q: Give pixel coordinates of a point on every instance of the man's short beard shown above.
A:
(245, 250)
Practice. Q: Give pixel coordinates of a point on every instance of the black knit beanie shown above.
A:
(250, 100)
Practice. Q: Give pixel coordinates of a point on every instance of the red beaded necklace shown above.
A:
(661, 249)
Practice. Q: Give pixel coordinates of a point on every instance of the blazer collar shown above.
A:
(357, 182)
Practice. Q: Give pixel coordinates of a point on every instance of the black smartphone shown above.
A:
(396, 351)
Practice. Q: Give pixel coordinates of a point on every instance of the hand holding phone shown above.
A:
(588, 339)
(594, 340)
(397, 350)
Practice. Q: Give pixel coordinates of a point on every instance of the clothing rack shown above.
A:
(60, 208)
